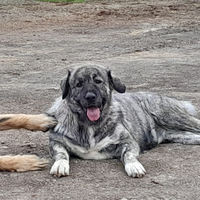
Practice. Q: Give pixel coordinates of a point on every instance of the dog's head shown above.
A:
(88, 91)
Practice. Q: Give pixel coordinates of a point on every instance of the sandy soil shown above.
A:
(152, 45)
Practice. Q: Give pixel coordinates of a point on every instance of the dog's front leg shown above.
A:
(129, 155)
(61, 157)
(41, 122)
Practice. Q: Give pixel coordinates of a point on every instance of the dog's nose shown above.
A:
(90, 96)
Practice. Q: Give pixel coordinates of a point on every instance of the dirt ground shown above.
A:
(152, 45)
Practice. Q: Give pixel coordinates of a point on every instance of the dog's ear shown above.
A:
(116, 83)
(65, 85)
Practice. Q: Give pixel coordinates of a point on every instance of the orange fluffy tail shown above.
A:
(22, 163)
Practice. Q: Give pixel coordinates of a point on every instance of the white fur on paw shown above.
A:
(60, 168)
(135, 169)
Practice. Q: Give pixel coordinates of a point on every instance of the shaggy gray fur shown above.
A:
(128, 124)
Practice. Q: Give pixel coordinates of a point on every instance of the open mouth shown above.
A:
(93, 113)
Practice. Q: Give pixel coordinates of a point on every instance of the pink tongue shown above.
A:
(93, 114)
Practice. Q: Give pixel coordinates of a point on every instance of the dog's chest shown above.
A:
(87, 144)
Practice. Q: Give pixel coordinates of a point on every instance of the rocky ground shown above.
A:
(152, 45)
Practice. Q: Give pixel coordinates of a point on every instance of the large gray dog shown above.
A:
(94, 124)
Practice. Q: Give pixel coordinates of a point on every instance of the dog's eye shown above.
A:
(97, 81)
(79, 84)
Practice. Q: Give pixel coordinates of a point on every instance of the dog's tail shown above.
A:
(191, 109)
(21, 163)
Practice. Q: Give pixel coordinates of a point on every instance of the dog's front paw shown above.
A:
(47, 122)
(135, 169)
(60, 168)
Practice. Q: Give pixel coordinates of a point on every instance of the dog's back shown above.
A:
(152, 114)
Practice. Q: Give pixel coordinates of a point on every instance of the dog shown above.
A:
(93, 123)
(18, 163)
